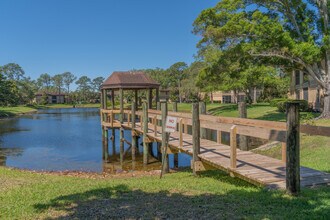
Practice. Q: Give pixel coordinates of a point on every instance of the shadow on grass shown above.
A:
(122, 201)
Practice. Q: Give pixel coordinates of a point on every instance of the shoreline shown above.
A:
(91, 175)
(13, 112)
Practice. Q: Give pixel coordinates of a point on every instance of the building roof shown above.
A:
(50, 93)
(129, 80)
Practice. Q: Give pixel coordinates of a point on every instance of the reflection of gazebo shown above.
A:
(131, 80)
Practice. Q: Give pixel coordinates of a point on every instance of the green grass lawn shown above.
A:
(314, 150)
(261, 111)
(213, 195)
(186, 107)
(12, 111)
(17, 110)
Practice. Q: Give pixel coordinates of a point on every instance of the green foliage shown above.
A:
(274, 102)
(303, 105)
(243, 35)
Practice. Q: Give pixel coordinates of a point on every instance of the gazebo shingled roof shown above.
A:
(129, 80)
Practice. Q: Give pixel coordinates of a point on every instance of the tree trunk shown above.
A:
(326, 104)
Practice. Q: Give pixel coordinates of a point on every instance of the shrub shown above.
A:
(303, 105)
(274, 102)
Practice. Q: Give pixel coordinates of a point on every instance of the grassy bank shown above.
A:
(17, 110)
(314, 150)
(13, 111)
(25, 195)
(261, 111)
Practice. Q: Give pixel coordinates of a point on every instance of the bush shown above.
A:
(303, 105)
(274, 102)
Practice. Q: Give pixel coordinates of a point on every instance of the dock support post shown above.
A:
(103, 142)
(145, 131)
(196, 135)
(164, 115)
(121, 130)
(175, 155)
(113, 140)
(233, 147)
(106, 145)
(134, 141)
(243, 140)
(202, 111)
(293, 149)
(159, 146)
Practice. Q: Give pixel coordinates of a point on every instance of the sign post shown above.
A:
(170, 126)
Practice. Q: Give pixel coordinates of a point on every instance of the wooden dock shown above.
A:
(251, 167)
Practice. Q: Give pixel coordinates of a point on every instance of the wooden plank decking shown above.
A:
(251, 167)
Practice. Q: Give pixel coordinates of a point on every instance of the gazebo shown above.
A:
(130, 80)
(118, 82)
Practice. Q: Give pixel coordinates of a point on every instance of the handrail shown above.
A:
(250, 127)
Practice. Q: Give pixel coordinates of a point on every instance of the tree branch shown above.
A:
(314, 73)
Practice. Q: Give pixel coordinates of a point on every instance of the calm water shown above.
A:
(60, 139)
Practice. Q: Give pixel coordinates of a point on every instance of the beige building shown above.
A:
(51, 98)
(304, 87)
(231, 97)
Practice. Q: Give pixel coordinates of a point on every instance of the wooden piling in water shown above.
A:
(293, 149)
(106, 145)
(175, 155)
(164, 135)
(243, 140)
(113, 140)
(195, 135)
(121, 130)
(145, 131)
(134, 141)
(159, 145)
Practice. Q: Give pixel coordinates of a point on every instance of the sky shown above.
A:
(96, 37)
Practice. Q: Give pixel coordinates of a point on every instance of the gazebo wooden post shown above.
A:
(136, 99)
(112, 99)
(157, 95)
(121, 130)
(149, 98)
(104, 91)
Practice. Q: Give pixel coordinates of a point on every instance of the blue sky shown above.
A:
(97, 37)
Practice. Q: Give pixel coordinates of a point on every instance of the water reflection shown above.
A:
(65, 139)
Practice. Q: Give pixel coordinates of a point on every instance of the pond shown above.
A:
(63, 139)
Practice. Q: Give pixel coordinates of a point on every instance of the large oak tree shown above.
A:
(288, 34)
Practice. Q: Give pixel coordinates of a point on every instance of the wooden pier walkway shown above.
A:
(251, 167)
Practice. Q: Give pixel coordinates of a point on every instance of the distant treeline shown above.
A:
(17, 88)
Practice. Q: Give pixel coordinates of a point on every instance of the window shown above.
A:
(226, 99)
(297, 94)
(305, 94)
(297, 77)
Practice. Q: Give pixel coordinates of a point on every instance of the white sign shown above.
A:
(170, 125)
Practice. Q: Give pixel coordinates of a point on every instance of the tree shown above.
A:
(176, 72)
(58, 82)
(68, 79)
(290, 35)
(12, 71)
(96, 83)
(28, 88)
(189, 87)
(9, 94)
(44, 81)
(84, 86)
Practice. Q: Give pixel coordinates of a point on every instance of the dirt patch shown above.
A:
(94, 175)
